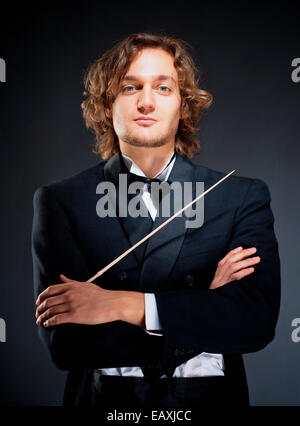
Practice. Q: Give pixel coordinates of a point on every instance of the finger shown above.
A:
(57, 319)
(241, 254)
(241, 274)
(235, 250)
(50, 301)
(245, 263)
(54, 310)
(52, 290)
(65, 279)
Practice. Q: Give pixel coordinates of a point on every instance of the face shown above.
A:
(146, 111)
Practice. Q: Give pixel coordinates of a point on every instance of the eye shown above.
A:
(165, 89)
(127, 88)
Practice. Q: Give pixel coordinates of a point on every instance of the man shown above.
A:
(168, 324)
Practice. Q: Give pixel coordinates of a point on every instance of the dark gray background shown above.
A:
(245, 52)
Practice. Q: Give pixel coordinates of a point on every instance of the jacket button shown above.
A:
(189, 279)
(122, 275)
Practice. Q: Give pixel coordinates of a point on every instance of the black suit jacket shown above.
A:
(68, 237)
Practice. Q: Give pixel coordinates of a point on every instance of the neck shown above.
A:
(149, 159)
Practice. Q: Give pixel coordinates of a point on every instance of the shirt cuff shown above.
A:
(153, 324)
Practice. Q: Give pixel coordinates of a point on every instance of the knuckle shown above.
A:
(225, 263)
(70, 296)
(232, 266)
(49, 290)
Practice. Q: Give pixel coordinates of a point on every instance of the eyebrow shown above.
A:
(160, 77)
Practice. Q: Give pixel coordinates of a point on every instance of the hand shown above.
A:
(232, 267)
(77, 302)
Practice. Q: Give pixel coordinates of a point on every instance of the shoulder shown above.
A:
(234, 183)
(71, 185)
(235, 190)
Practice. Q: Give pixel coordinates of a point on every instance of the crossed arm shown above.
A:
(94, 323)
(86, 303)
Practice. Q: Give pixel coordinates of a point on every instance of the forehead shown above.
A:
(151, 62)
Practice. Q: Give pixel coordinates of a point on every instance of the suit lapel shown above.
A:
(164, 246)
(111, 171)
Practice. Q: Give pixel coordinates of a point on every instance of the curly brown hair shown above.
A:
(103, 78)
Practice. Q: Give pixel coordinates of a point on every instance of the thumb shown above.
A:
(64, 279)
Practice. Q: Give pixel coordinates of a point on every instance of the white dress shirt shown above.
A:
(204, 364)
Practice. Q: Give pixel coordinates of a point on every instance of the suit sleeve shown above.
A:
(241, 316)
(73, 346)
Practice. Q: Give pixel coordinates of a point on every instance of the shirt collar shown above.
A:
(162, 175)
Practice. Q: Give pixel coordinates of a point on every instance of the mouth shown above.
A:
(145, 121)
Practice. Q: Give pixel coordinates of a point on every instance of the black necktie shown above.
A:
(136, 178)
(132, 177)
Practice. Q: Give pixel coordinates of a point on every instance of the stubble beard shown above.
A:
(142, 142)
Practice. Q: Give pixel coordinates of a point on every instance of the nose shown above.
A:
(146, 100)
